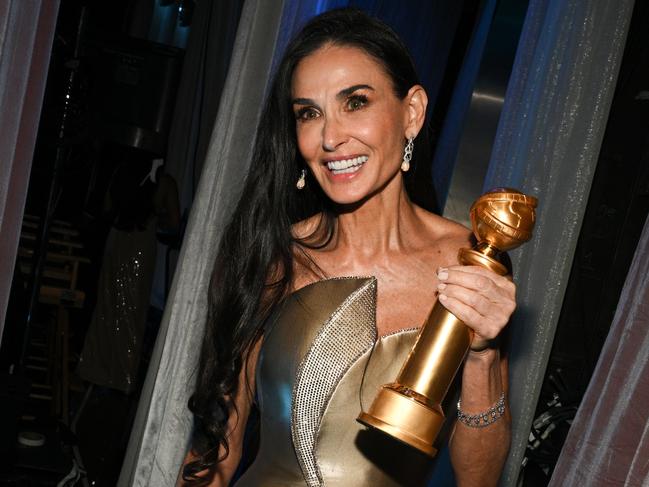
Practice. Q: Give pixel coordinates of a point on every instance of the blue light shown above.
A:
(321, 6)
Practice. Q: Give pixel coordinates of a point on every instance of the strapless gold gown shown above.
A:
(318, 362)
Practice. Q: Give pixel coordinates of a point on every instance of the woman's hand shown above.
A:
(482, 299)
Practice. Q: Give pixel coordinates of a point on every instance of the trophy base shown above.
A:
(405, 419)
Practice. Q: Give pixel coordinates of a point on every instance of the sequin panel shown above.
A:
(113, 343)
(126, 286)
(349, 332)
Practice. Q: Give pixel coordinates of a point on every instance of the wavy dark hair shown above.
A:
(253, 270)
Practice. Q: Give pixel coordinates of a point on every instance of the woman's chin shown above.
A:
(347, 198)
(353, 192)
(344, 190)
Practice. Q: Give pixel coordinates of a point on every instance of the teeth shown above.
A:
(347, 165)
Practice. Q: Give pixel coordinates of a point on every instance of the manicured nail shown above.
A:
(442, 297)
(442, 274)
(441, 286)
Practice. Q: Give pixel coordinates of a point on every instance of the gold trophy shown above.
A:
(409, 409)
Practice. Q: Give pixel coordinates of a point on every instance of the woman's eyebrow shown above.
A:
(342, 94)
(303, 101)
(348, 91)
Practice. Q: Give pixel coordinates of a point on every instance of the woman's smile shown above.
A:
(346, 167)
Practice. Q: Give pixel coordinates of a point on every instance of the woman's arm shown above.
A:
(222, 473)
(478, 454)
(484, 301)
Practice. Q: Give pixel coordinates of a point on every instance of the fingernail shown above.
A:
(442, 297)
(441, 285)
(442, 274)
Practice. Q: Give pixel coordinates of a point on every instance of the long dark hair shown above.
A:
(254, 265)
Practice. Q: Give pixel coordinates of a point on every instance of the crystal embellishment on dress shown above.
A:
(343, 338)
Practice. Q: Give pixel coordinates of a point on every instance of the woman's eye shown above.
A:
(306, 114)
(356, 102)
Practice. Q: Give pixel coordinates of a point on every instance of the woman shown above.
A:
(286, 330)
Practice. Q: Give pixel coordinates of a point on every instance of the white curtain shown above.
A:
(205, 69)
(608, 442)
(547, 145)
(26, 34)
(163, 425)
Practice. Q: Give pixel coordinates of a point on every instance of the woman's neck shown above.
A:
(377, 226)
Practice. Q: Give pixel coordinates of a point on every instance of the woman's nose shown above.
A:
(332, 134)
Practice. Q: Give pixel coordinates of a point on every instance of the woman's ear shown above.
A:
(417, 101)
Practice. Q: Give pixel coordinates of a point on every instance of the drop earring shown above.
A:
(301, 181)
(407, 154)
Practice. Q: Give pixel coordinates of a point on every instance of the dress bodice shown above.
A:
(320, 360)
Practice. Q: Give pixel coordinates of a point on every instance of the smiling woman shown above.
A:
(352, 126)
(291, 328)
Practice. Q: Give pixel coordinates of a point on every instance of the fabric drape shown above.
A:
(26, 34)
(547, 145)
(205, 68)
(162, 425)
(608, 442)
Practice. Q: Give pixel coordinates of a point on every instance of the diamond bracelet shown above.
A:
(485, 418)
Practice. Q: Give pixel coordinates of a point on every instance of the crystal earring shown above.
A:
(407, 154)
(301, 181)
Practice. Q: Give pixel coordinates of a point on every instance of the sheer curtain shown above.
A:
(162, 424)
(547, 145)
(608, 442)
(205, 68)
(26, 34)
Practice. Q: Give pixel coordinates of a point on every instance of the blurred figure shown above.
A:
(140, 200)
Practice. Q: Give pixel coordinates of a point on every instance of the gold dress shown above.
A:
(319, 361)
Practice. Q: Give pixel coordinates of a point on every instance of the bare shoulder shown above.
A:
(446, 236)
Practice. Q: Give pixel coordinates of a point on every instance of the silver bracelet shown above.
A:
(485, 418)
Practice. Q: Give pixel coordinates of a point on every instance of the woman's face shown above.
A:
(351, 127)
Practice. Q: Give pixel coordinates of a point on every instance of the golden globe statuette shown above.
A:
(409, 409)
